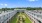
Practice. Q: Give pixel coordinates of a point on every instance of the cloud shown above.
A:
(1, 4)
(5, 4)
(33, 0)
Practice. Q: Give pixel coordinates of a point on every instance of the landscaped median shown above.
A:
(27, 20)
(13, 19)
(20, 17)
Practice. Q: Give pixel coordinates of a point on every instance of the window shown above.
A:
(2, 22)
(4, 15)
(7, 14)
(34, 14)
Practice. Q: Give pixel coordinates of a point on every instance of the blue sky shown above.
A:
(20, 3)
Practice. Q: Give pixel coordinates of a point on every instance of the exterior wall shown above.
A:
(6, 16)
(33, 16)
(20, 10)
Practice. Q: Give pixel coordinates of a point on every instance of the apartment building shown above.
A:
(5, 17)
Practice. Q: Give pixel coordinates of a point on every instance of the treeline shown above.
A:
(27, 8)
(7, 9)
(34, 8)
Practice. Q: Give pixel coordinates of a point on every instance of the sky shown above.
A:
(20, 3)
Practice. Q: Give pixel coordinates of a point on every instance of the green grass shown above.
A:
(27, 18)
(14, 18)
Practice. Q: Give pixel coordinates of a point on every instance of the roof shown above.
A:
(19, 9)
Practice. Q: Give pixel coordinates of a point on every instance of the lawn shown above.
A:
(27, 20)
(14, 18)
